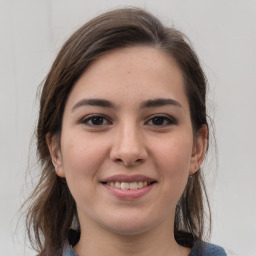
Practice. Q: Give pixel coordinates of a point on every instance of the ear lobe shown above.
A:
(199, 149)
(54, 148)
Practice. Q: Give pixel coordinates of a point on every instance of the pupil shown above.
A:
(97, 120)
(158, 121)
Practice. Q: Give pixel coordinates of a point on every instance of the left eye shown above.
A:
(95, 120)
(161, 121)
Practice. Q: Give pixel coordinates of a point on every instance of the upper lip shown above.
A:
(128, 178)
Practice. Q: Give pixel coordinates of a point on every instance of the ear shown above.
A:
(199, 149)
(54, 148)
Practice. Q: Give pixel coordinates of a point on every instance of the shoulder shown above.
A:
(206, 249)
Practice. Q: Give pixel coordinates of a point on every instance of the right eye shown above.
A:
(95, 120)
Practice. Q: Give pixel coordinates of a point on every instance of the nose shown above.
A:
(128, 146)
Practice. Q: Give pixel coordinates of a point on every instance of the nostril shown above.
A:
(128, 159)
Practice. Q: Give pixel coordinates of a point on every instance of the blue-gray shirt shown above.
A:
(206, 249)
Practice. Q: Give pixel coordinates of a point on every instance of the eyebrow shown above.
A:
(159, 102)
(94, 102)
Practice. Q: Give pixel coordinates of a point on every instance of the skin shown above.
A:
(128, 138)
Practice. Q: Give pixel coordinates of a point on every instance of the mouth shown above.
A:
(129, 185)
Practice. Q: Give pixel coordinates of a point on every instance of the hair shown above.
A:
(52, 209)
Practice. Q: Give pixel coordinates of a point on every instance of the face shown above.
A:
(126, 146)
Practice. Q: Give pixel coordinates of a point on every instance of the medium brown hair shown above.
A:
(52, 209)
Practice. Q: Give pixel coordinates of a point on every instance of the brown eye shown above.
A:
(158, 121)
(95, 120)
(161, 121)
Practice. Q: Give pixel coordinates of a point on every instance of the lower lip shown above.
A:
(129, 193)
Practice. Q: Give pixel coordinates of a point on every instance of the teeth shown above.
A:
(125, 185)
(116, 184)
(128, 185)
(140, 184)
(133, 185)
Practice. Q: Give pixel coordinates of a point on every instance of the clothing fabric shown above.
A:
(68, 251)
(199, 249)
(207, 249)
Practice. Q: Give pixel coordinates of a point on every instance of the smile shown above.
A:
(128, 185)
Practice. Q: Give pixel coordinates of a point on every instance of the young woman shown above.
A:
(121, 136)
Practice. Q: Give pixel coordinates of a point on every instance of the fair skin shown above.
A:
(127, 123)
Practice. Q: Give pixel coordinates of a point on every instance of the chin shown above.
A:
(130, 226)
(129, 230)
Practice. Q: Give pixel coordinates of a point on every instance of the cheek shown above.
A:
(82, 158)
(175, 154)
(173, 161)
(79, 152)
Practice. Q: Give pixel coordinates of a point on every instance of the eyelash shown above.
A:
(88, 119)
(164, 120)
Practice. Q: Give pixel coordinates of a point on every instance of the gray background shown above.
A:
(224, 35)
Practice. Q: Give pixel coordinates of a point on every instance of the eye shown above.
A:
(161, 120)
(96, 120)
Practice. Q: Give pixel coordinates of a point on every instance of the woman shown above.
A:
(121, 135)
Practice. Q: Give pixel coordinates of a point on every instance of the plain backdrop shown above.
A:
(224, 35)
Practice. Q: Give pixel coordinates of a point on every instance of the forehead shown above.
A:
(135, 60)
(131, 73)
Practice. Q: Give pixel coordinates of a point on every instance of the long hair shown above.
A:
(52, 209)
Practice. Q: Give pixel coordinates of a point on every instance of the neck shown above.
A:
(158, 241)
